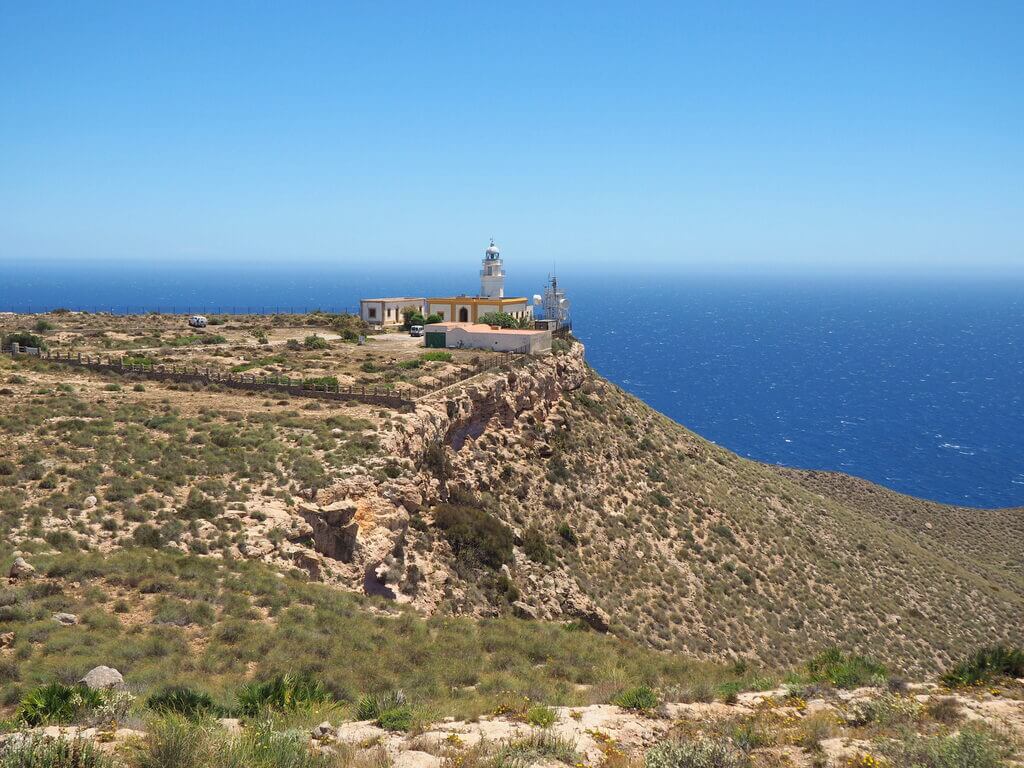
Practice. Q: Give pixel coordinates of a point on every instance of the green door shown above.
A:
(435, 340)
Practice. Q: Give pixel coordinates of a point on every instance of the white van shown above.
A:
(415, 330)
(198, 321)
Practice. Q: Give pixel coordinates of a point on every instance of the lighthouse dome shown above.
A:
(492, 250)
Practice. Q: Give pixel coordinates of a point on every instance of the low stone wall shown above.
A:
(190, 374)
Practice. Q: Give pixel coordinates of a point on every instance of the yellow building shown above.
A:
(469, 309)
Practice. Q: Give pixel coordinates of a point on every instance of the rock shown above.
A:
(415, 759)
(231, 724)
(67, 619)
(104, 679)
(523, 610)
(362, 732)
(21, 569)
(90, 502)
(7, 640)
(337, 432)
(817, 705)
(322, 731)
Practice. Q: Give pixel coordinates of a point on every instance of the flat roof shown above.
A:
(397, 298)
(479, 328)
(478, 299)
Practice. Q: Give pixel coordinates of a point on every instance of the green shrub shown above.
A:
(535, 547)
(22, 338)
(845, 671)
(504, 320)
(476, 536)
(371, 705)
(182, 700)
(568, 534)
(42, 326)
(38, 751)
(541, 716)
(58, 703)
(971, 748)
(282, 693)
(315, 342)
(944, 709)
(389, 710)
(411, 316)
(320, 382)
(703, 753)
(198, 506)
(887, 710)
(174, 742)
(436, 356)
(986, 664)
(398, 719)
(638, 699)
(146, 535)
(542, 747)
(260, 746)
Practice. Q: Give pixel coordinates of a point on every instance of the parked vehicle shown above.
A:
(198, 321)
(415, 330)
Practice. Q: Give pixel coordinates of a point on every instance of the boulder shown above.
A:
(67, 619)
(322, 731)
(361, 732)
(7, 640)
(412, 758)
(523, 610)
(103, 678)
(90, 502)
(21, 569)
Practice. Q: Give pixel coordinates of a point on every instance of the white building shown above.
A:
(480, 336)
(388, 311)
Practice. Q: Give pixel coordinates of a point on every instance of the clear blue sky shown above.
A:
(866, 137)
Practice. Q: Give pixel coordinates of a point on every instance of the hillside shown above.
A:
(687, 546)
(541, 491)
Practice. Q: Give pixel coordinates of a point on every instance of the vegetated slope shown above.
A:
(687, 546)
(993, 538)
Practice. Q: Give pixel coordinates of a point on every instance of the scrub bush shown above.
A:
(986, 664)
(476, 536)
(638, 699)
(704, 753)
(182, 700)
(845, 671)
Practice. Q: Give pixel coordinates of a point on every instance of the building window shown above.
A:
(373, 313)
(463, 315)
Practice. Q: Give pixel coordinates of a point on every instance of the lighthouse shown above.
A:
(492, 275)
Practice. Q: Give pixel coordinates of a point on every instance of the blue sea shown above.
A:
(918, 387)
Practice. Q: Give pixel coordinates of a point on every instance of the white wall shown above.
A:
(496, 341)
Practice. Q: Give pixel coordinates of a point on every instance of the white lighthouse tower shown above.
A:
(492, 275)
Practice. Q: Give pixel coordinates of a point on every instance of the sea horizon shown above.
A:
(914, 385)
